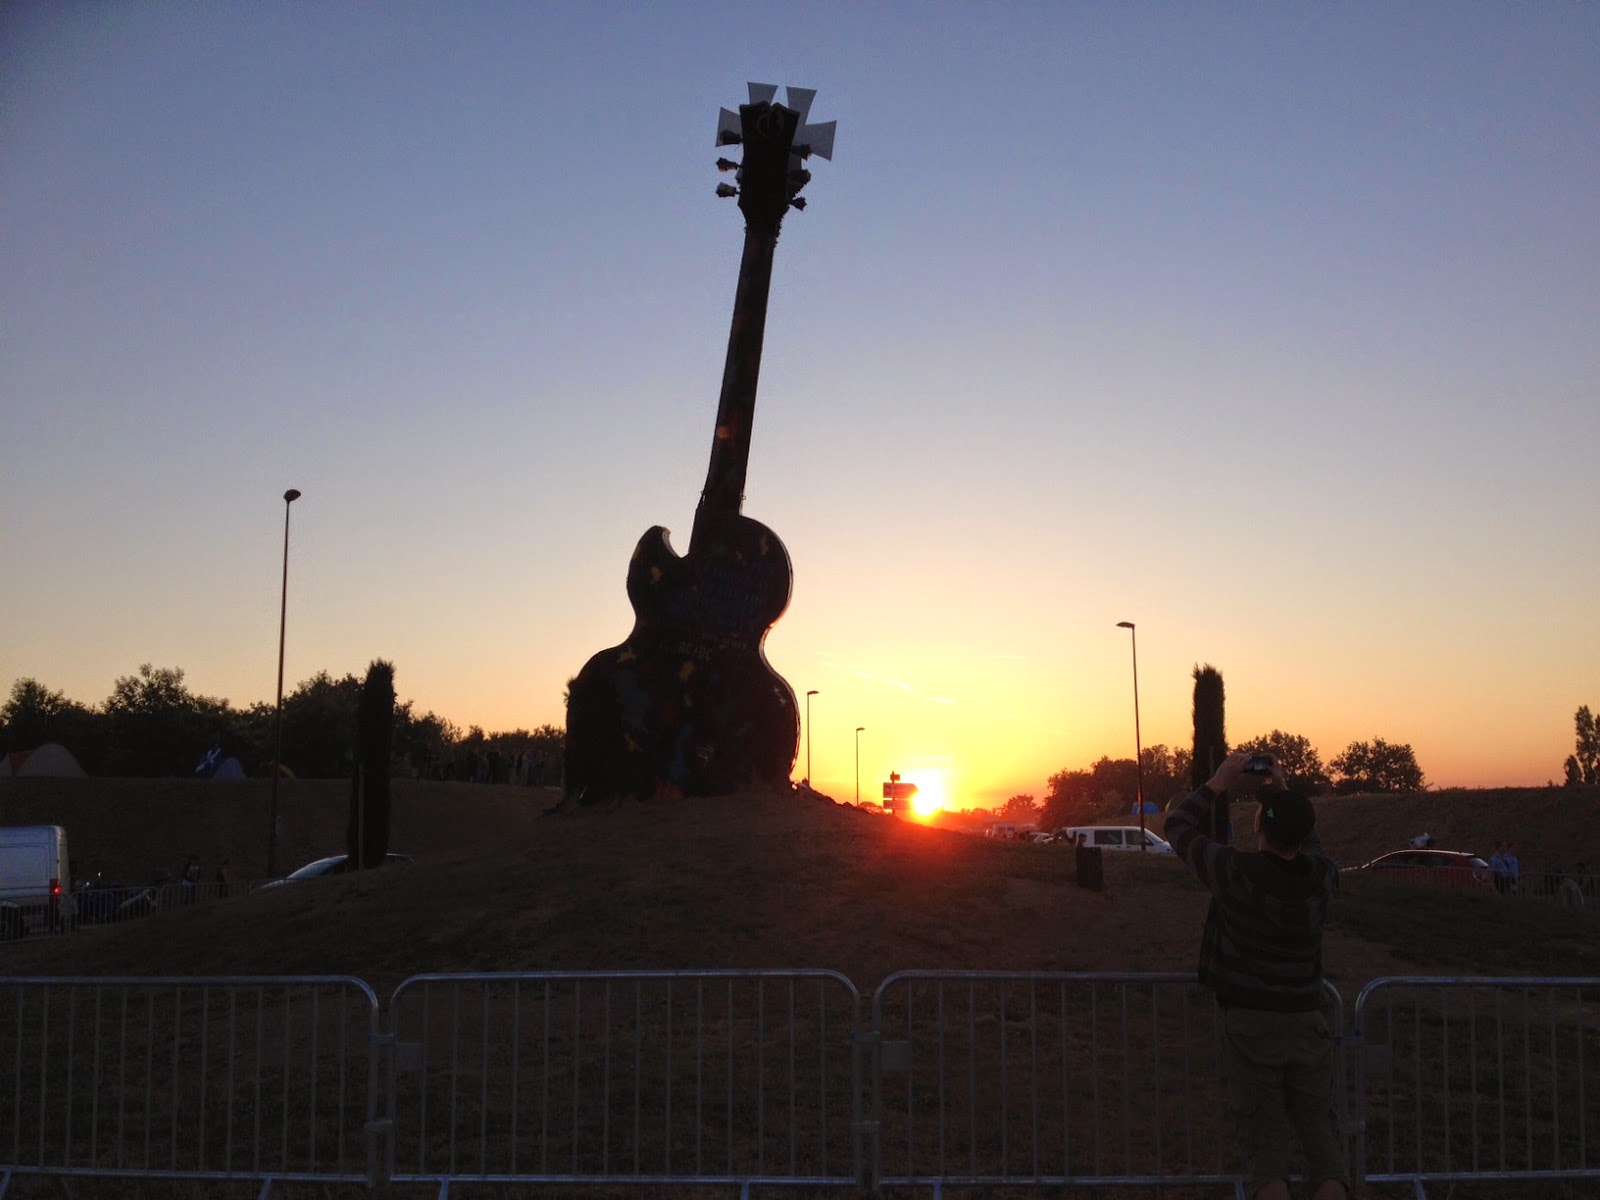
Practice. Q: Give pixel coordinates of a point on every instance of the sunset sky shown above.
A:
(1273, 329)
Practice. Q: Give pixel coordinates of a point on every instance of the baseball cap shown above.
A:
(1286, 817)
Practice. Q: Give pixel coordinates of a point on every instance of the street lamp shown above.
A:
(289, 498)
(811, 693)
(860, 729)
(1138, 748)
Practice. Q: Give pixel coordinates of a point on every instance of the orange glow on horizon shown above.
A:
(973, 731)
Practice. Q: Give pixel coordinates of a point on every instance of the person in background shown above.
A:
(189, 881)
(1497, 864)
(1513, 868)
(1261, 953)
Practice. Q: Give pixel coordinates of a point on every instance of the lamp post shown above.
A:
(811, 693)
(1138, 748)
(860, 729)
(289, 498)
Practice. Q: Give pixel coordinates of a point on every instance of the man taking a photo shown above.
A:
(1261, 953)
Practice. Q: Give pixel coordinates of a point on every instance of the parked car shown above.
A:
(1114, 837)
(336, 864)
(1442, 868)
(35, 887)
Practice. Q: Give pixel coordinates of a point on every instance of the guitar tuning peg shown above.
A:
(726, 164)
(816, 139)
(725, 190)
(798, 202)
(800, 101)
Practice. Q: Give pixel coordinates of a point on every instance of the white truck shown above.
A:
(35, 887)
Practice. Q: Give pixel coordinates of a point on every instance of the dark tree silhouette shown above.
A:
(34, 715)
(152, 724)
(1210, 740)
(1377, 766)
(1020, 808)
(367, 838)
(1105, 789)
(1302, 765)
(1583, 764)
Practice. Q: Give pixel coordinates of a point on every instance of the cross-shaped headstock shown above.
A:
(777, 141)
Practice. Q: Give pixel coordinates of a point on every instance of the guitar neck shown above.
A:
(736, 408)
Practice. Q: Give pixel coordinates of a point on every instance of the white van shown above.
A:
(1115, 837)
(35, 888)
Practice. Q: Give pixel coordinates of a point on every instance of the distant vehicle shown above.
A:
(1441, 868)
(1114, 837)
(35, 888)
(336, 864)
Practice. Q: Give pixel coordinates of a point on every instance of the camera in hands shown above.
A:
(1259, 764)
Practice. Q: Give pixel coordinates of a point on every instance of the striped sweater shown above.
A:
(1262, 946)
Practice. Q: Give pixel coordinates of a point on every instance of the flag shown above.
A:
(209, 762)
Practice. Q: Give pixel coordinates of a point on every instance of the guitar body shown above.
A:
(688, 704)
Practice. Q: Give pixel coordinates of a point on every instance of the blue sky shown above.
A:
(1272, 329)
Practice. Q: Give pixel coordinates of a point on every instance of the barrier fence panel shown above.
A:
(990, 1078)
(218, 1078)
(664, 1076)
(87, 908)
(1577, 888)
(1479, 1078)
(122, 903)
(995, 1078)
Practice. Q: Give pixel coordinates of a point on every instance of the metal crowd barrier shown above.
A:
(1567, 889)
(987, 1078)
(642, 1079)
(1466, 1078)
(224, 1078)
(719, 1077)
(88, 908)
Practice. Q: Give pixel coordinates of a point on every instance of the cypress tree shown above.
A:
(1210, 740)
(367, 838)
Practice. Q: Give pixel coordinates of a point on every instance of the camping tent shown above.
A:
(51, 759)
(228, 768)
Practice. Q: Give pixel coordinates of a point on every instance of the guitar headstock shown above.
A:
(777, 141)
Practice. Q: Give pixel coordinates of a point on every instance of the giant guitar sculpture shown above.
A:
(688, 704)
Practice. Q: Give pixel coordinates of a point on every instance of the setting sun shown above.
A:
(931, 793)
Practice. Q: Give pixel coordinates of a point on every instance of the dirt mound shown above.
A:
(1553, 827)
(752, 881)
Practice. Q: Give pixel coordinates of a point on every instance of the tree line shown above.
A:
(153, 725)
(1111, 786)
